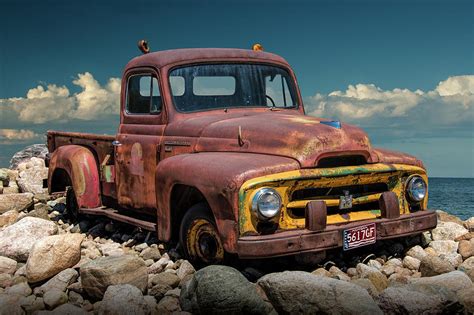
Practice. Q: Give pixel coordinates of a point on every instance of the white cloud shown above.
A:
(54, 103)
(402, 111)
(17, 135)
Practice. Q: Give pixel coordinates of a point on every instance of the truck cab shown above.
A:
(214, 151)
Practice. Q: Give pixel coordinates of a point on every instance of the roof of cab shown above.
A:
(168, 57)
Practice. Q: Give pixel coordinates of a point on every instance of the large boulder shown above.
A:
(219, 290)
(16, 240)
(304, 293)
(16, 202)
(452, 281)
(31, 176)
(35, 150)
(411, 299)
(53, 254)
(447, 231)
(100, 273)
(123, 299)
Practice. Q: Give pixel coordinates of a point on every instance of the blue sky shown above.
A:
(402, 70)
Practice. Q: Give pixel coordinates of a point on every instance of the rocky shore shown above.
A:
(51, 265)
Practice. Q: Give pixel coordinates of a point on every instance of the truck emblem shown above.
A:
(345, 201)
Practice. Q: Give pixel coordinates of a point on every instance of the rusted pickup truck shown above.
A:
(214, 151)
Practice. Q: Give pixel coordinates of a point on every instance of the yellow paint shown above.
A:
(285, 183)
(334, 202)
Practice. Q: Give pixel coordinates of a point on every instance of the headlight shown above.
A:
(416, 188)
(266, 203)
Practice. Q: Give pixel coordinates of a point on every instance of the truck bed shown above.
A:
(101, 145)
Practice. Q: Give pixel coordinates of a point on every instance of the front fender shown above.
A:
(81, 166)
(218, 176)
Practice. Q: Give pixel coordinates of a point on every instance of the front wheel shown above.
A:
(199, 238)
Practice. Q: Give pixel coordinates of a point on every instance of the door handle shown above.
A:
(116, 143)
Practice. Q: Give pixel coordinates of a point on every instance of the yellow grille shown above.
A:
(364, 204)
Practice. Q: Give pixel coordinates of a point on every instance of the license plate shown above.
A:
(359, 236)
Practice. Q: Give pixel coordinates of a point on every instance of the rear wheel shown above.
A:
(199, 237)
(72, 209)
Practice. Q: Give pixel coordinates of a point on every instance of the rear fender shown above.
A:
(81, 166)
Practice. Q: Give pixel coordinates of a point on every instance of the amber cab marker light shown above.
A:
(257, 47)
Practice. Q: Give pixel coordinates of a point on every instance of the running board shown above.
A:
(115, 215)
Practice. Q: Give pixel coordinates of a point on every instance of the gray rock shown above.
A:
(17, 202)
(292, 292)
(337, 273)
(65, 309)
(448, 231)
(411, 263)
(168, 305)
(185, 269)
(123, 299)
(150, 253)
(11, 304)
(32, 304)
(417, 252)
(219, 290)
(159, 291)
(411, 299)
(468, 267)
(35, 150)
(16, 240)
(54, 298)
(433, 266)
(31, 175)
(466, 298)
(445, 247)
(102, 272)
(165, 278)
(21, 288)
(59, 282)
(452, 281)
(7, 265)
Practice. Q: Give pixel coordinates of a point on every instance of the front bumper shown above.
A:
(303, 240)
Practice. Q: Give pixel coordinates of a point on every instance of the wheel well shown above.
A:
(60, 180)
(183, 197)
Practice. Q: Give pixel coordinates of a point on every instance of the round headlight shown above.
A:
(266, 203)
(416, 188)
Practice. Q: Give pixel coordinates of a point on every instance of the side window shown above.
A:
(143, 95)
(277, 92)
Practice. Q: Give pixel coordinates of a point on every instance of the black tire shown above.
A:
(199, 238)
(72, 209)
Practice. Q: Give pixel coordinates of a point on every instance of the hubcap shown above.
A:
(203, 242)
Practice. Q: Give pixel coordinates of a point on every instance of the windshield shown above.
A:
(206, 87)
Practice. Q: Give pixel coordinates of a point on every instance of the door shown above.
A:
(138, 140)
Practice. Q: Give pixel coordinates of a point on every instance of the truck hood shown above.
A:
(304, 138)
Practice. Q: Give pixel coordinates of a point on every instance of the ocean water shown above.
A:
(453, 195)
